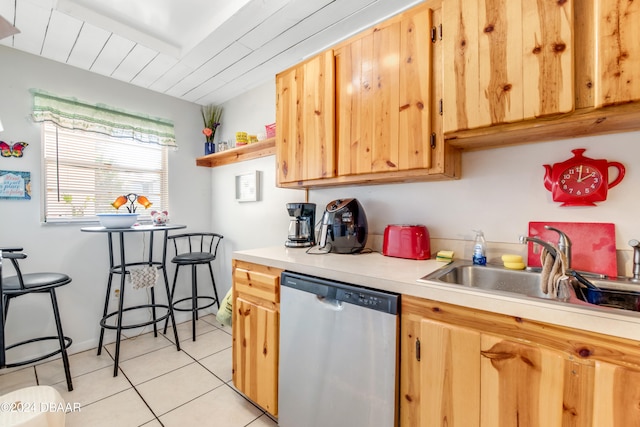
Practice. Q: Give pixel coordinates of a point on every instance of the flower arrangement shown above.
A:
(211, 118)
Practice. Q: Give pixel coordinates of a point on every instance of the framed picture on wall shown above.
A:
(15, 185)
(248, 187)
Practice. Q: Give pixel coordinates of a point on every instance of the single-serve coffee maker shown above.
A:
(301, 226)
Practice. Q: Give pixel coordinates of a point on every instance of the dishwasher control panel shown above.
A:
(364, 297)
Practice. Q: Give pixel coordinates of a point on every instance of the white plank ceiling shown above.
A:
(202, 51)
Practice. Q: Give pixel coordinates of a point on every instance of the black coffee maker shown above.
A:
(344, 227)
(301, 226)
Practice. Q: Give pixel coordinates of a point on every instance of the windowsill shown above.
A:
(84, 222)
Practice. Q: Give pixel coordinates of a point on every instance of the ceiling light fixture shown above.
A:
(6, 29)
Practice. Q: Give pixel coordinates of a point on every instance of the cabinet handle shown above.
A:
(440, 107)
(418, 349)
(433, 141)
(436, 33)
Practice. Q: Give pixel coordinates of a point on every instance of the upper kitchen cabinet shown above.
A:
(385, 98)
(305, 113)
(608, 55)
(506, 61)
(508, 86)
(383, 92)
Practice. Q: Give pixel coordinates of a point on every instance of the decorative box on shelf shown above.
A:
(271, 130)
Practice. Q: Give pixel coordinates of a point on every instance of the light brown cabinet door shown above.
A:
(439, 374)
(506, 61)
(383, 95)
(617, 53)
(255, 353)
(450, 376)
(305, 113)
(256, 332)
(526, 385)
(458, 376)
(617, 396)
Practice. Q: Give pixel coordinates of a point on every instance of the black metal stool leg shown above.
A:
(119, 327)
(104, 312)
(153, 311)
(2, 323)
(123, 274)
(194, 300)
(6, 306)
(171, 295)
(170, 305)
(63, 349)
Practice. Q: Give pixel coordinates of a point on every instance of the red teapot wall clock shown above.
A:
(581, 181)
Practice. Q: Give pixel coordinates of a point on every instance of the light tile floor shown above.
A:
(156, 385)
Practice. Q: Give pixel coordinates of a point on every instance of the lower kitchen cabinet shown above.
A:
(465, 367)
(255, 329)
(617, 394)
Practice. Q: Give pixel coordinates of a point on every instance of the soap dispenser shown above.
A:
(479, 249)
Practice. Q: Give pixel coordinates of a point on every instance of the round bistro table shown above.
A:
(123, 269)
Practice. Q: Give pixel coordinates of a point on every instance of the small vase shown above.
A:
(209, 148)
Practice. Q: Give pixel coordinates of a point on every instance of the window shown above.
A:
(84, 172)
(94, 153)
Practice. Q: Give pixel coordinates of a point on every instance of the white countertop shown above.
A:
(400, 275)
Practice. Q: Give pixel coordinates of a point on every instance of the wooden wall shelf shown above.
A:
(239, 154)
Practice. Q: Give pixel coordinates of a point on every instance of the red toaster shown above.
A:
(406, 241)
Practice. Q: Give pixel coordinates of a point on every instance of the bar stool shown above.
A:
(194, 249)
(23, 284)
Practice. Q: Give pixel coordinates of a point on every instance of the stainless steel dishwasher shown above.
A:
(338, 350)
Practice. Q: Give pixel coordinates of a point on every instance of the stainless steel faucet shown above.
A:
(564, 244)
(548, 246)
(567, 247)
(636, 259)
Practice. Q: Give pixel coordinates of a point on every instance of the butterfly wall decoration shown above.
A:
(13, 150)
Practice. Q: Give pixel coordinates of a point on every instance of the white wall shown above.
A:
(249, 224)
(63, 247)
(501, 190)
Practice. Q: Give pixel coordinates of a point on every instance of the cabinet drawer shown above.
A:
(257, 280)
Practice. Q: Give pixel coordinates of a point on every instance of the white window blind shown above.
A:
(84, 172)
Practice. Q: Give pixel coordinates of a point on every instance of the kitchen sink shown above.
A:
(489, 277)
(620, 293)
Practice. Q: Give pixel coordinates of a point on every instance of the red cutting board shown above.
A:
(593, 245)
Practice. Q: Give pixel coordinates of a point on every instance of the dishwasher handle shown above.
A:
(330, 303)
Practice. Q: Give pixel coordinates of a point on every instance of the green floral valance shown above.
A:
(71, 113)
